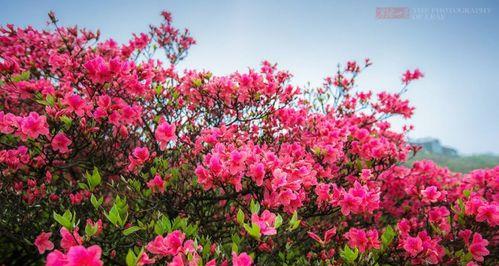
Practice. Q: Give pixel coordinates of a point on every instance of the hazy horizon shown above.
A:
(456, 49)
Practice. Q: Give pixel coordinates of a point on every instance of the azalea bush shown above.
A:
(110, 155)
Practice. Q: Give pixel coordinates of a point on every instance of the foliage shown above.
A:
(461, 163)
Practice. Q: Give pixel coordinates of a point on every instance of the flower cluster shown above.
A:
(111, 156)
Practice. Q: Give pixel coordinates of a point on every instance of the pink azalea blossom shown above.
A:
(478, 247)
(431, 194)
(76, 104)
(164, 134)
(157, 184)
(69, 240)
(413, 245)
(169, 245)
(34, 125)
(81, 256)
(98, 70)
(43, 243)
(139, 156)
(359, 238)
(266, 222)
(489, 213)
(257, 172)
(60, 143)
(76, 256)
(241, 260)
(56, 258)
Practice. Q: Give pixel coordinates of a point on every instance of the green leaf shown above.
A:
(253, 230)
(294, 222)
(159, 89)
(240, 216)
(131, 230)
(67, 121)
(162, 226)
(348, 254)
(235, 238)
(94, 179)
(131, 259)
(197, 83)
(21, 77)
(67, 219)
(467, 258)
(91, 230)
(254, 207)
(96, 203)
(50, 100)
(235, 248)
(278, 221)
(388, 236)
(466, 193)
(115, 217)
(83, 186)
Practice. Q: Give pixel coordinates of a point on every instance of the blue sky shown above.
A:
(456, 102)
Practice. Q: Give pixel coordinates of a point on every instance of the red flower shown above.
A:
(42, 242)
(164, 134)
(478, 247)
(60, 143)
(413, 245)
(241, 260)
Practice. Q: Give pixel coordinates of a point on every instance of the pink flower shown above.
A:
(322, 191)
(236, 163)
(328, 235)
(431, 194)
(165, 133)
(408, 76)
(34, 125)
(203, 177)
(69, 240)
(358, 238)
(241, 260)
(358, 199)
(60, 143)
(413, 245)
(489, 213)
(139, 156)
(478, 247)
(42, 242)
(404, 227)
(76, 256)
(157, 184)
(349, 203)
(177, 261)
(266, 222)
(144, 259)
(56, 258)
(373, 241)
(81, 256)
(465, 235)
(98, 70)
(215, 164)
(257, 172)
(76, 104)
(169, 245)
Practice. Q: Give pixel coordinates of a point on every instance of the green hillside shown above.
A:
(463, 164)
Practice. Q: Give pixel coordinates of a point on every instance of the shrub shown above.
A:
(109, 155)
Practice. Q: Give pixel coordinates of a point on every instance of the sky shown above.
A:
(454, 43)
